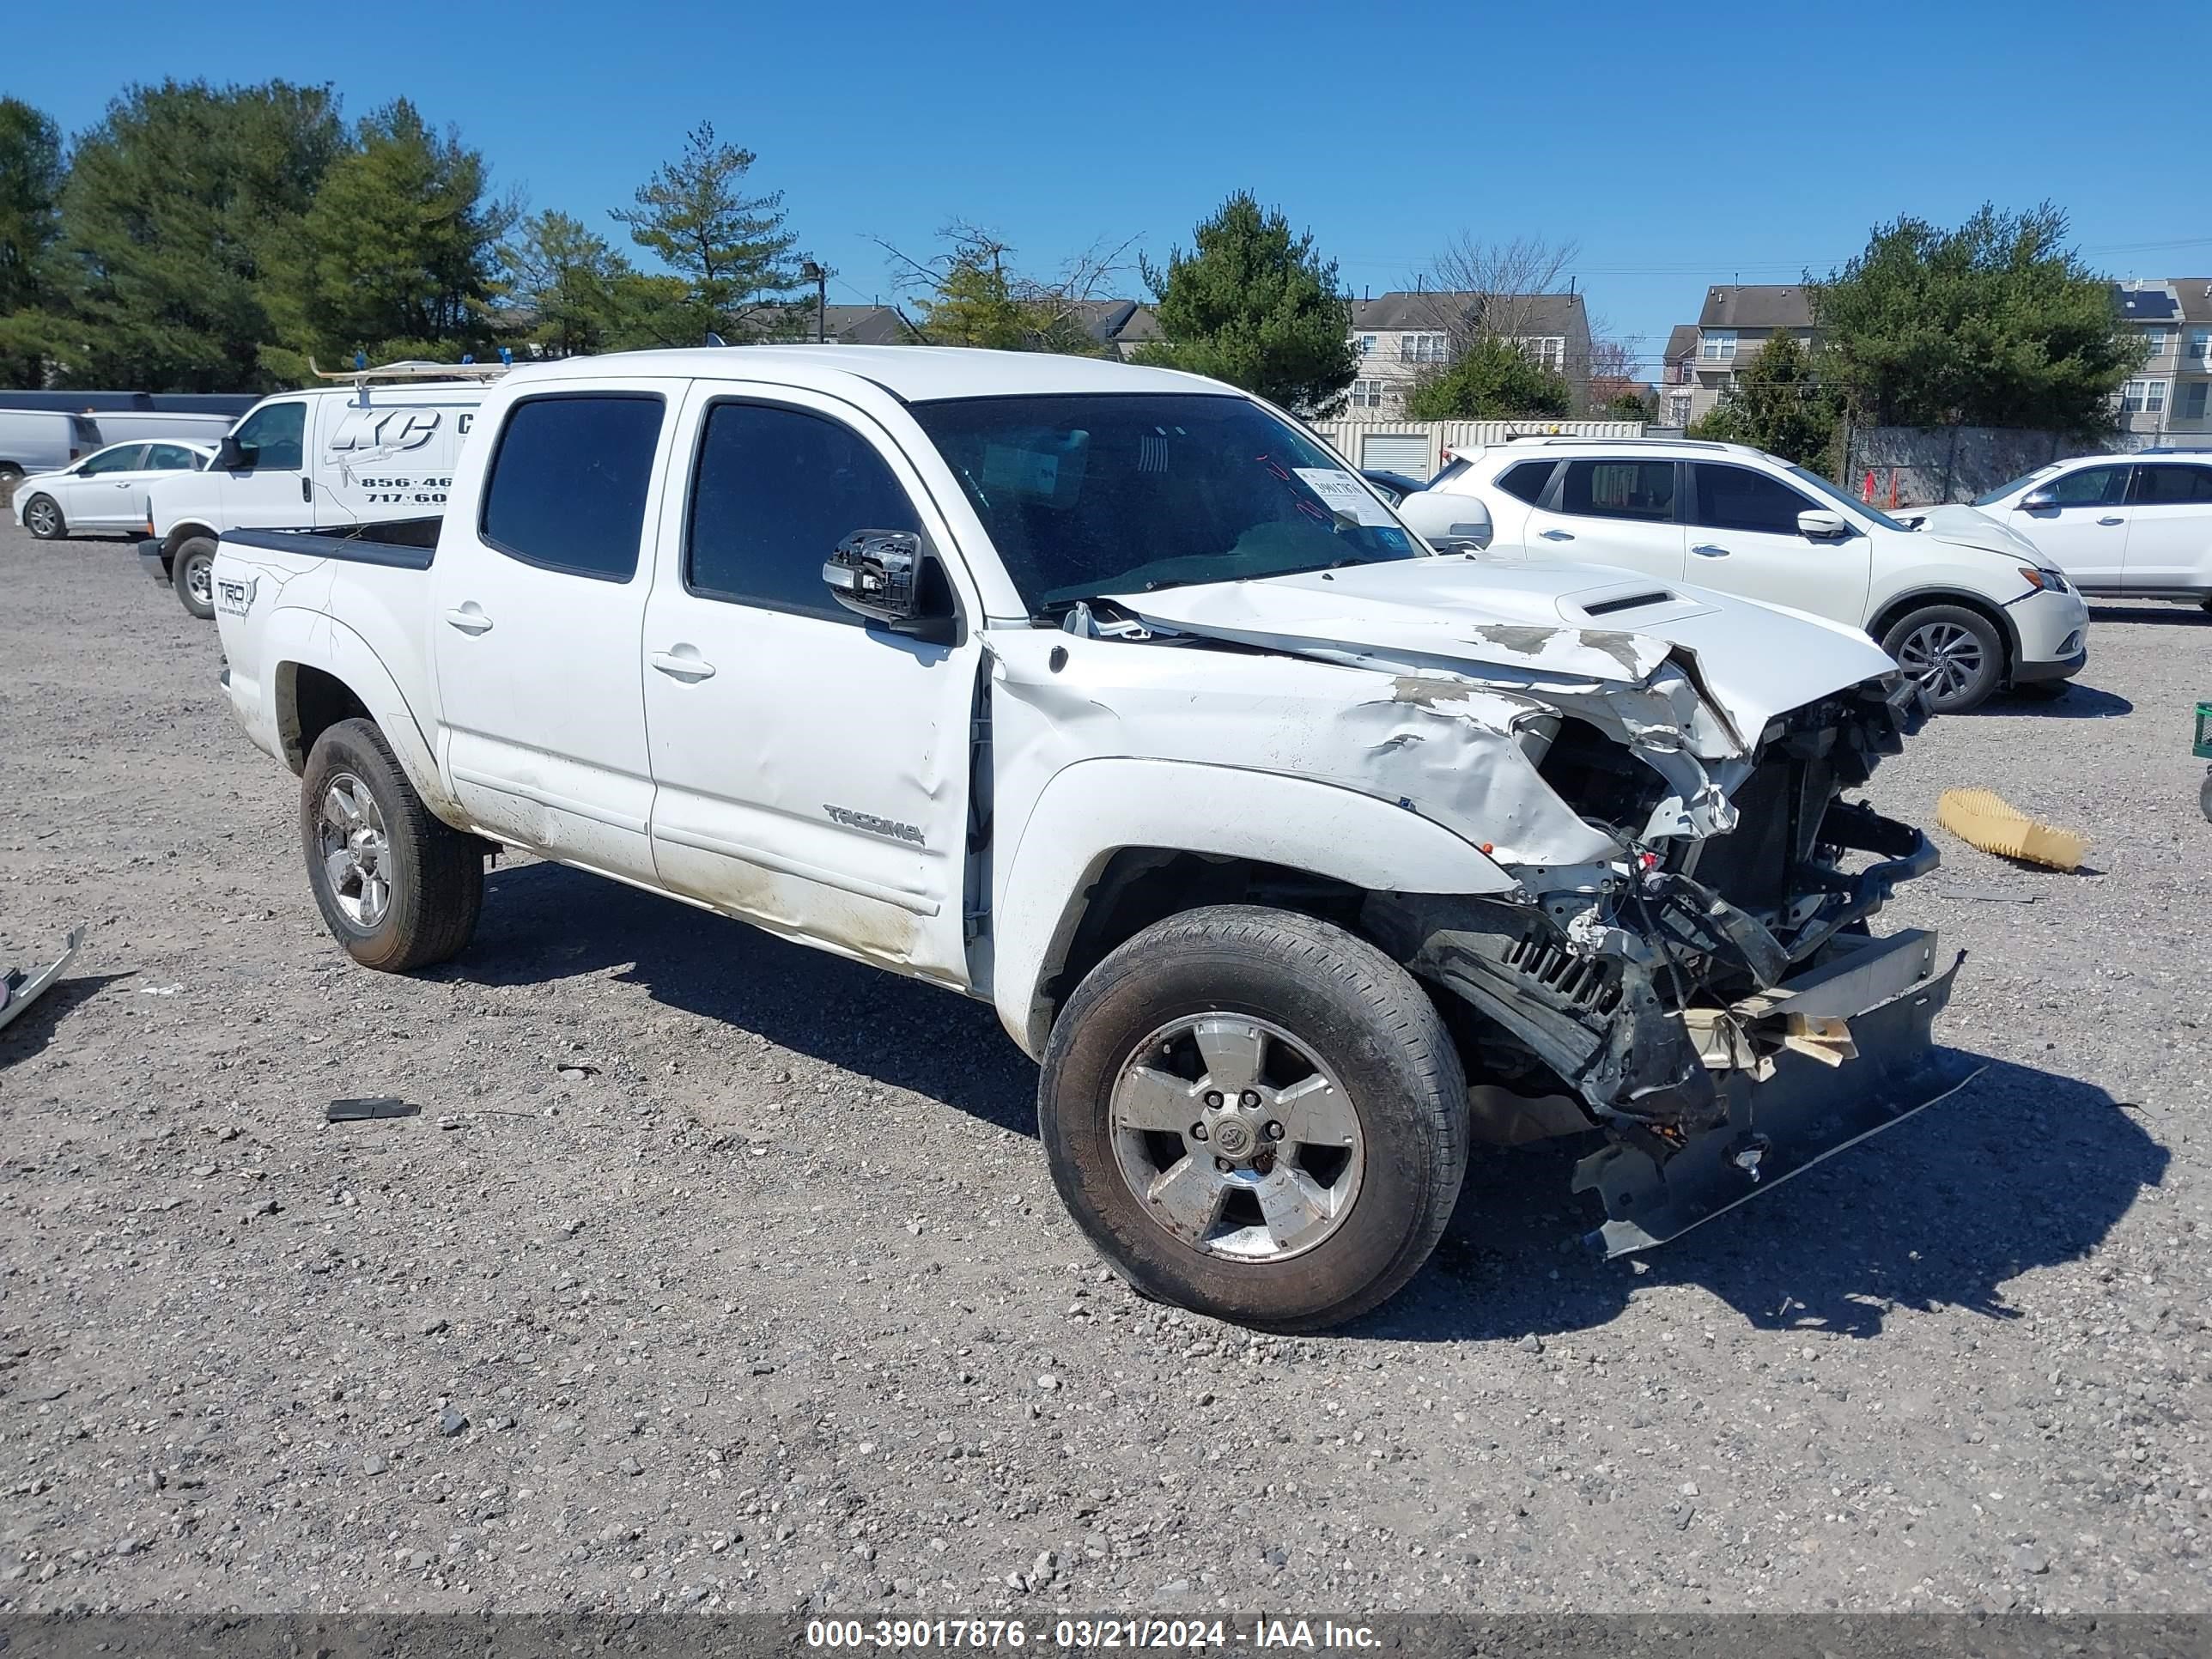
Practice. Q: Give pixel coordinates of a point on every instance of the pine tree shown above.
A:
(396, 256)
(30, 223)
(1253, 304)
(181, 207)
(730, 251)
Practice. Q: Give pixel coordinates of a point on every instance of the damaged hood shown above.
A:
(1530, 627)
(1965, 526)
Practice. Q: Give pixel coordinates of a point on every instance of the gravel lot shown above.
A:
(716, 1271)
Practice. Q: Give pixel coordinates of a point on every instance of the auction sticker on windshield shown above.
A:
(1346, 495)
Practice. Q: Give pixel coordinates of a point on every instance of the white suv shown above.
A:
(1962, 602)
(2137, 527)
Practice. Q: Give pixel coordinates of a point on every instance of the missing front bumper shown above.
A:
(1887, 993)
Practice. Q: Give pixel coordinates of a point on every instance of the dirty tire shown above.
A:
(1968, 637)
(42, 517)
(437, 873)
(1358, 1013)
(192, 575)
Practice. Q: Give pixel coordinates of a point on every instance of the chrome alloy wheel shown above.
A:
(200, 580)
(1237, 1139)
(1944, 657)
(357, 852)
(43, 519)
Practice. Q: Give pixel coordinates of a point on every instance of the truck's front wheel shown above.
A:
(1257, 1115)
(193, 575)
(397, 887)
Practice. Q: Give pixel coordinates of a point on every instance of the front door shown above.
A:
(2170, 527)
(1611, 513)
(534, 626)
(811, 771)
(99, 494)
(269, 490)
(2084, 530)
(1744, 539)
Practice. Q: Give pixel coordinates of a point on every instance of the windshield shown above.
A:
(2005, 489)
(1815, 481)
(1119, 493)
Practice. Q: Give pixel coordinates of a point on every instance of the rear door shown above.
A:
(1744, 539)
(811, 770)
(2170, 527)
(1616, 511)
(1511, 495)
(537, 599)
(2084, 530)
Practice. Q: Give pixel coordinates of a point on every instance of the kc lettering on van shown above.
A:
(391, 431)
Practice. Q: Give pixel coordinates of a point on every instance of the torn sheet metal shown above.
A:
(19, 990)
(1527, 625)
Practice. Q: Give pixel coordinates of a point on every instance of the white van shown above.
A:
(383, 447)
(41, 441)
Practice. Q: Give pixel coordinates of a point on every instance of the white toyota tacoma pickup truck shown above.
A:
(1300, 854)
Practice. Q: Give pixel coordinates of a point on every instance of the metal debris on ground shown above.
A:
(1982, 818)
(353, 1111)
(18, 990)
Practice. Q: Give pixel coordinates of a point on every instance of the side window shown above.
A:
(2092, 486)
(123, 457)
(1619, 490)
(2172, 485)
(170, 458)
(774, 492)
(1736, 498)
(274, 437)
(1525, 480)
(569, 482)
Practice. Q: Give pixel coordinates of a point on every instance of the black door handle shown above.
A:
(307, 490)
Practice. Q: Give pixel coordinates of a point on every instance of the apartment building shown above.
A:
(1402, 335)
(2172, 392)
(1703, 359)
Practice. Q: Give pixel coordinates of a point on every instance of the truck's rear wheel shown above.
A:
(397, 887)
(1256, 1115)
(194, 574)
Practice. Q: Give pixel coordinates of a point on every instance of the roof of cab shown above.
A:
(916, 373)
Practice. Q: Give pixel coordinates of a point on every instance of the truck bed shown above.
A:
(405, 543)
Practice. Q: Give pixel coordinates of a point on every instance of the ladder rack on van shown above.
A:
(416, 370)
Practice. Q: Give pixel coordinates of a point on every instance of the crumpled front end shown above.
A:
(1710, 996)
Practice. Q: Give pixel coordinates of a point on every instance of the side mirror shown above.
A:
(2035, 498)
(1820, 525)
(233, 456)
(888, 577)
(1441, 518)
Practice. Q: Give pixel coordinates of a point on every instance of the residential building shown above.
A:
(1402, 335)
(1705, 357)
(1678, 371)
(2172, 392)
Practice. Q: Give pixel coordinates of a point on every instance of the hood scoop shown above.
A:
(1613, 607)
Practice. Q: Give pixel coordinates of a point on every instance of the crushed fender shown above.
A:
(1982, 818)
(18, 990)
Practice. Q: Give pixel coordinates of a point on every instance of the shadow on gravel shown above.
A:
(2188, 615)
(2067, 700)
(543, 922)
(31, 1030)
(2024, 1168)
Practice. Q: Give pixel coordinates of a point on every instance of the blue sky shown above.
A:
(1676, 146)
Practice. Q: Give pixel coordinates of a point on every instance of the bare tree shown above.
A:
(1612, 374)
(971, 293)
(1483, 290)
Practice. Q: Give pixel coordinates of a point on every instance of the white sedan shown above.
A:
(105, 492)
